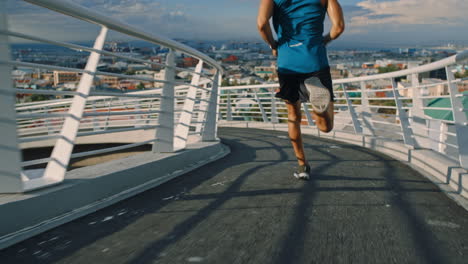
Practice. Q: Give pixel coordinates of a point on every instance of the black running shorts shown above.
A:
(292, 86)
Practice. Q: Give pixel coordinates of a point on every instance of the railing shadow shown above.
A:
(292, 242)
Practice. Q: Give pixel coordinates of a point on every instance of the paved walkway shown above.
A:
(360, 207)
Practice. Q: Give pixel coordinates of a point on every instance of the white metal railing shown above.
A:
(398, 113)
(174, 112)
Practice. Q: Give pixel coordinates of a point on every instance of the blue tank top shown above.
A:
(299, 27)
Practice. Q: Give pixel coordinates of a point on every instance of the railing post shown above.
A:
(10, 163)
(60, 158)
(366, 111)
(203, 106)
(352, 112)
(183, 128)
(262, 110)
(210, 131)
(274, 112)
(49, 127)
(106, 124)
(443, 129)
(418, 121)
(228, 108)
(164, 141)
(96, 119)
(310, 120)
(459, 116)
(402, 116)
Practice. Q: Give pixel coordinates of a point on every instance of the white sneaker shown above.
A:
(319, 95)
(302, 172)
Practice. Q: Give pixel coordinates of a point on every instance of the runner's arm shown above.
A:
(335, 13)
(265, 12)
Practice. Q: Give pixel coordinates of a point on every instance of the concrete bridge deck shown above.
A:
(359, 207)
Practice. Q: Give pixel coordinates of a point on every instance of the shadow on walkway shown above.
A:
(360, 206)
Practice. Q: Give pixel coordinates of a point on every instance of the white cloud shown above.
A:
(412, 12)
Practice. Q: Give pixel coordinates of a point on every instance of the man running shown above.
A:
(303, 69)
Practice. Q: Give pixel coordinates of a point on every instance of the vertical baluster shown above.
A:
(443, 129)
(459, 116)
(368, 128)
(418, 120)
(352, 112)
(203, 106)
(310, 120)
(229, 107)
(50, 129)
(10, 163)
(210, 131)
(402, 116)
(183, 128)
(60, 158)
(164, 141)
(96, 119)
(274, 111)
(260, 105)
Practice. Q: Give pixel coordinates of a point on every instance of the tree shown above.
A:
(225, 82)
(140, 86)
(39, 97)
(460, 75)
(389, 68)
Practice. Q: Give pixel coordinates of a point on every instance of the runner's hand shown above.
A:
(274, 52)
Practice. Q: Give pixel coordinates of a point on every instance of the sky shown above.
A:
(368, 22)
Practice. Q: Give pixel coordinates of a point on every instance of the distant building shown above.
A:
(463, 86)
(434, 87)
(159, 76)
(266, 71)
(231, 59)
(110, 81)
(137, 67)
(189, 62)
(368, 65)
(65, 77)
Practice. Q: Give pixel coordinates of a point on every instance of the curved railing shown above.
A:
(165, 114)
(398, 107)
(392, 107)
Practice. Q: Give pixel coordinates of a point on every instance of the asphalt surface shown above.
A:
(359, 207)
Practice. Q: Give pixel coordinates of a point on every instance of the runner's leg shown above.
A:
(325, 121)
(294, 129)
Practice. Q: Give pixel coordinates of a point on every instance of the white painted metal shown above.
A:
(63, 149)
(460, 119)
(356, 124)
(164, 141)
(202, 110)
(182, 129)
(417, 116)
(274, 112)
(75, 10)
(260, 105)
(210, 130)
(365, 111)
(402, 116)
(310, 120)
(10, 167)
(229, 108)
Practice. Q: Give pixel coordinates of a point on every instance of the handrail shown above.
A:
(424, 68)
(71, 9)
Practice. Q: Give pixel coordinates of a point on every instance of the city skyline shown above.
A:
(369, 22)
